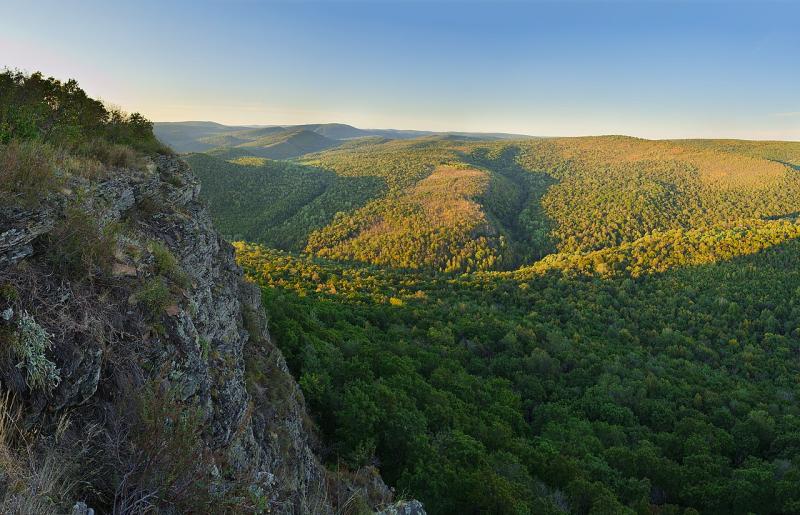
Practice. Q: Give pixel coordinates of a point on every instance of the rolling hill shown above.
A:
(188, 136)
(454, 204)
(257, 141)
(288, 144)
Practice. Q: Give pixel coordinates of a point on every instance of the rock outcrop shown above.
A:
(404, 508)
(154, 334)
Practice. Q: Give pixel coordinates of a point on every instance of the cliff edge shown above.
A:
(137, 372)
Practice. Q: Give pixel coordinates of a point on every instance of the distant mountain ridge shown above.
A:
(287, 141)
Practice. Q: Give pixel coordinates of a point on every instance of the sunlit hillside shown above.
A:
(524, 199)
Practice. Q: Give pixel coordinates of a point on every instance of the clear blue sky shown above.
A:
(650, 69)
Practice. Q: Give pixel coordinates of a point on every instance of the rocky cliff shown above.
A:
(137, 368)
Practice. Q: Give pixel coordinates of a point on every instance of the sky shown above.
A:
(654, 69)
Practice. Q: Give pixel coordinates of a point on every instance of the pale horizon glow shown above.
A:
(649, 69)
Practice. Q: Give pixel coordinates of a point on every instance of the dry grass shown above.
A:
(32, 170)
(37, 475)
(11, 435)
(27, 173)
(113, 155)
(79, 248)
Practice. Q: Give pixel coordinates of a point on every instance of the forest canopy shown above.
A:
(33, 107)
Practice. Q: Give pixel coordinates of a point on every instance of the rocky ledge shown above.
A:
(135, 343)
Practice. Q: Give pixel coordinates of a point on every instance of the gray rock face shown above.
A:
(404, 508)
(18, 229)
(209, 344)
(81, 508)
(200, 349)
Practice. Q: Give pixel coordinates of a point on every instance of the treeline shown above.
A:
(663, 251)
(33, 107)
(51, 130)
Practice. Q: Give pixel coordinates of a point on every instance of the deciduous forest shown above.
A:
(590, 325)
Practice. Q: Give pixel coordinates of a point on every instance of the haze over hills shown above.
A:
(282, 142)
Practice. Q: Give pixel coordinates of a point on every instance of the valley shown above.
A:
(538, 325)
(527, 198)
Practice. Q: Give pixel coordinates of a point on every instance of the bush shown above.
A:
(166, 264)
(154, 296)
(168, 462)
(79, 248)
(30, 343)
(8, 292)
(135, 131)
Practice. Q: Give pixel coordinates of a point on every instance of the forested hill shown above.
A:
(456, 205)
(204, 136)
(548, 394)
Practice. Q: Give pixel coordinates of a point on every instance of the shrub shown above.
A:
(33, 107)
(79, 248)
(205, 348)
(8, 292)
(168, 462)
(166, 264)
(133, 130)
(30, 343)
(112, 154)
(148, 207)
(165, 261)
(154, 296)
